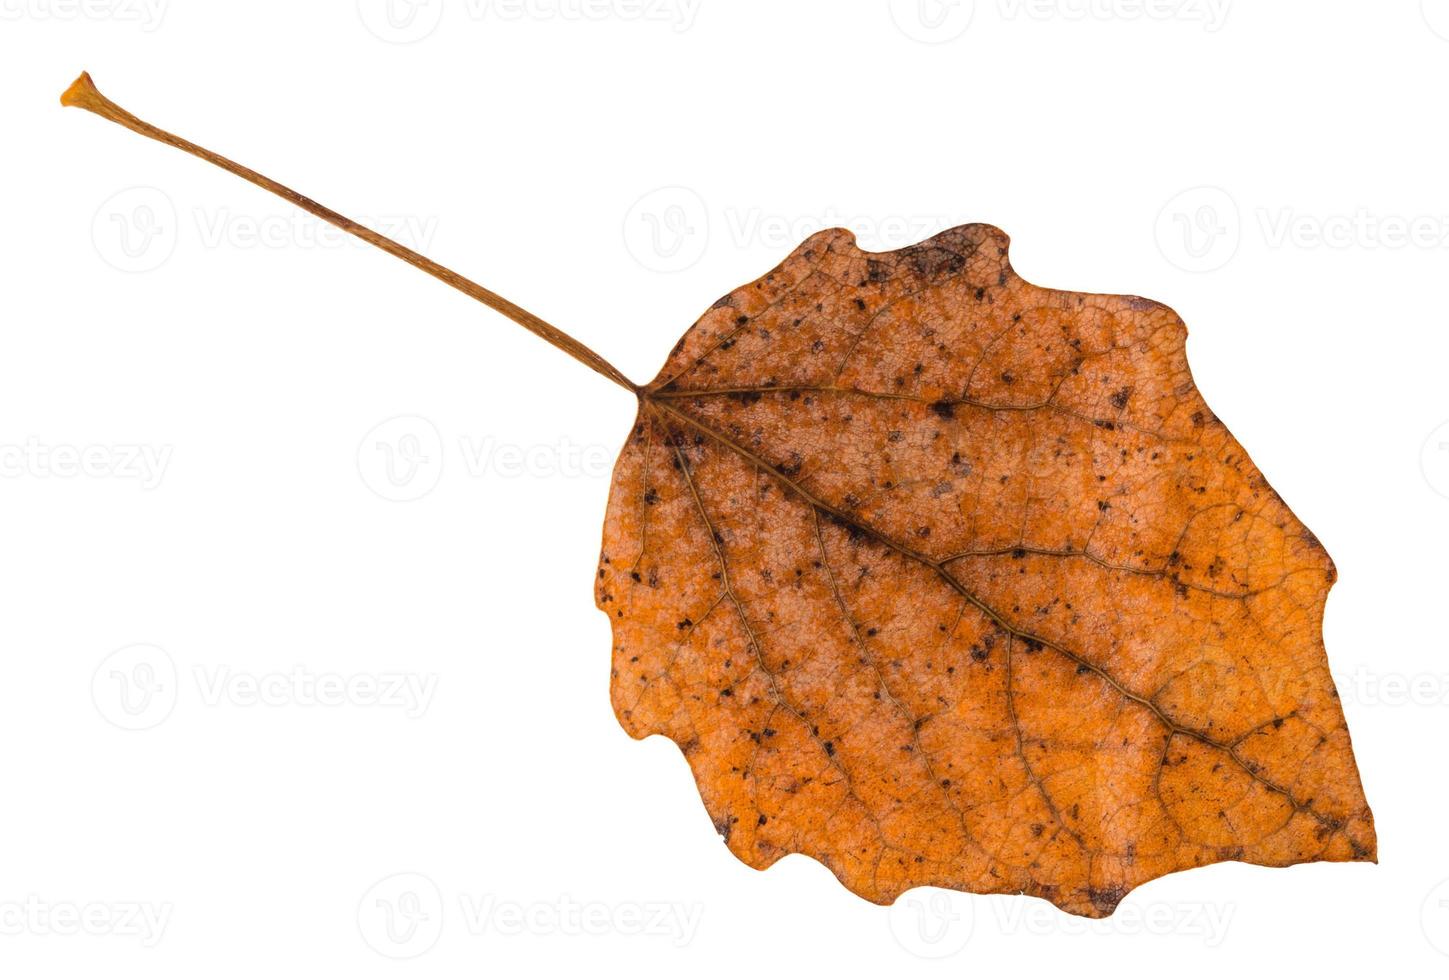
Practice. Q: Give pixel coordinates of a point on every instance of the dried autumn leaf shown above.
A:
(943, 578)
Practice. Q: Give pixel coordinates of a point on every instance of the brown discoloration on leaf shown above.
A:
(965, 585)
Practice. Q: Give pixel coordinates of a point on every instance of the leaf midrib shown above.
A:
(1336, 824)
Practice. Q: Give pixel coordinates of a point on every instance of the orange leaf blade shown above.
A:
(943, 578)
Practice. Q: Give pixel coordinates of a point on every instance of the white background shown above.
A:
(193, 375)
